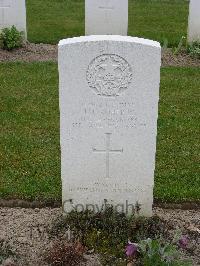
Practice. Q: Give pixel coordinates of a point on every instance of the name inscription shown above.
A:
(108, 115)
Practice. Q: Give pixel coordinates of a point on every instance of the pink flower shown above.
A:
(131, 249)
(183, 242)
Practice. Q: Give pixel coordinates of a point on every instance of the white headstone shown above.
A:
(194, 21)
(106, 17)
(109, 92)
(13, 12)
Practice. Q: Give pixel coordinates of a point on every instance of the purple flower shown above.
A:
(183, 242)
(131, 249)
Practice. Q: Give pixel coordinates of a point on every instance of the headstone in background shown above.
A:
(109, 92)
(13, 12)
(106, 17)
(194, 21)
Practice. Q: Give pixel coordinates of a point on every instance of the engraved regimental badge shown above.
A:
(109, 75)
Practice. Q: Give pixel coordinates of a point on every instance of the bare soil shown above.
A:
(26, 231)
(30, 52)
(182, 59)
(47, 52)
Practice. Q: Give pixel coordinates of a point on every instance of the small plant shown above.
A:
(65, 254)
(107, 232)
(194, 49)
(181, 44)
(164, 43)
(156, 252)
(10, 38)
(5, 251)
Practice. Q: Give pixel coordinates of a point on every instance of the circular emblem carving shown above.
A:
(109, 75)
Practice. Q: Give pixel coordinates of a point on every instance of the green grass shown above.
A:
(161, 20)
(29, 151)
(177, 169)
(29, 118)
(52, 20)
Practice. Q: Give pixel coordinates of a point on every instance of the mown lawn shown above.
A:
(29, 118)
(161, 20)
(177, 175)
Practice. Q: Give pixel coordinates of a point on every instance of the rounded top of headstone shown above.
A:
(117, 38)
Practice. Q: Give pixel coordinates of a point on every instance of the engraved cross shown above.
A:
(107, 151)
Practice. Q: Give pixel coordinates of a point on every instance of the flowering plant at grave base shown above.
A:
(180, 240)
(183, 242)
(194, 50)
(131, 252)
(106, 234)
(131, 249)
(156, 252)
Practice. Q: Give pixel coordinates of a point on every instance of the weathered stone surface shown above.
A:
(106, 17)
(109, 91)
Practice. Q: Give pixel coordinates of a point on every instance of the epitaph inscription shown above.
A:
(109, 75)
